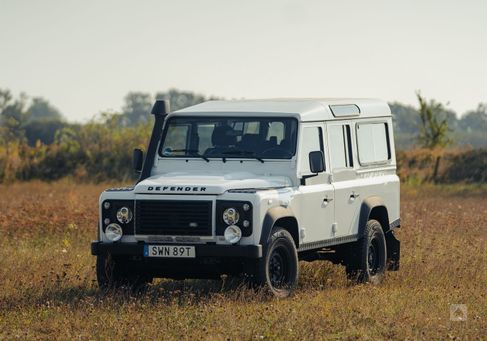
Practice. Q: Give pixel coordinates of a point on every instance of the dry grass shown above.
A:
(48, 290)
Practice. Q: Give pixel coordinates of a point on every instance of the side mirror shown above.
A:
(316, 162)
(138, 160)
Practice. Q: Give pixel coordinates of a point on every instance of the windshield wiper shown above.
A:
(192, 152)
(247, 153)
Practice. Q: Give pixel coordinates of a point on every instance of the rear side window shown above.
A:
(373, 143)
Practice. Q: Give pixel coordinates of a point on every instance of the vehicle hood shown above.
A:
(187, 183)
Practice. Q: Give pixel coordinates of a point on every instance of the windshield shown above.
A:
(223, 137)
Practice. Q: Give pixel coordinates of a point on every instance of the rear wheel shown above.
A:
(278, 269)
(367, 257)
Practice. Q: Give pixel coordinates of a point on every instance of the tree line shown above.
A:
(469, 129)
(36, 120)
(37, 142)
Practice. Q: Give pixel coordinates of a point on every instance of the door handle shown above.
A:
(326, 201)
(354, 195)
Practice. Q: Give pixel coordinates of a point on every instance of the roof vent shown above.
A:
(341, 110)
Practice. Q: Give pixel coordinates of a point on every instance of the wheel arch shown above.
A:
(373, 208)
(282, 217)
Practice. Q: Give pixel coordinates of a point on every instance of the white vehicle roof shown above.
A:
(305, 109)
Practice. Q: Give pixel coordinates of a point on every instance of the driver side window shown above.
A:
(311, 140)
(178, 137)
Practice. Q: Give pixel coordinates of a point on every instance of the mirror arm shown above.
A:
(304, 177)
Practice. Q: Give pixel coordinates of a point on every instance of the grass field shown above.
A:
(48, 289)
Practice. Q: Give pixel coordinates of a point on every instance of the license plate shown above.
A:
(169, 251)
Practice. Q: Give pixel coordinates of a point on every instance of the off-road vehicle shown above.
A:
(250, 187)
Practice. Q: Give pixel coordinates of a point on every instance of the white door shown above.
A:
(345, 182)
(315, 195)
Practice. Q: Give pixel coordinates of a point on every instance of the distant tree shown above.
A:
(43, 122)
(475, 120)
(5, 99)
(138, 105)
(405, 118)
(451, 118)
(43, 131)
(41, 110)
(12, 117)
(433, 127)
(181, 99)
(12, 135)
(136, 108)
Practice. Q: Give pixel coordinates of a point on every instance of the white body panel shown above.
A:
(327, 206)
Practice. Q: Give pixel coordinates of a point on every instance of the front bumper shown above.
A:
(202, 250)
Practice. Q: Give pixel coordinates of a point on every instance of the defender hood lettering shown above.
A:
(187, 183)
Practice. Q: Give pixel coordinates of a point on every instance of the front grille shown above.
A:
(169, 217)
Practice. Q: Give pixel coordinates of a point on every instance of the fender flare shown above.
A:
(273, 215)
(367, 206)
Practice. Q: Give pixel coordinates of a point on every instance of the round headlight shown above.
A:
(233, 234)
(124, 215)
(231, 216)
(113, 232)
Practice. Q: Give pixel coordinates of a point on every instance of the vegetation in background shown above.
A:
(36, 141)
(434, 128)
(138, 104)
(468, 130)
(419, 166)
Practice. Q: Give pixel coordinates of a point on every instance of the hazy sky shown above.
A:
(84, 56)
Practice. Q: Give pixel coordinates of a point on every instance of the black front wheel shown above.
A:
(278, 270)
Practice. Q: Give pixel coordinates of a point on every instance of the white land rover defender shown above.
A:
(251, 187)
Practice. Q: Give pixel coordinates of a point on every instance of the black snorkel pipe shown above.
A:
(160, 110)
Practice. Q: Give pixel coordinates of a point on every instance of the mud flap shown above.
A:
(393, 251)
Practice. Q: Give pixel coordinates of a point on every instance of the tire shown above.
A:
(278, 269)
(367, 257)
(112, 273)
